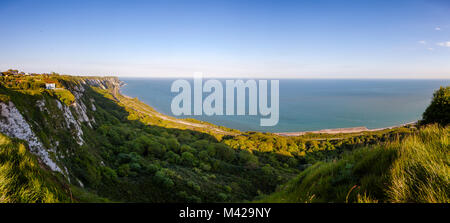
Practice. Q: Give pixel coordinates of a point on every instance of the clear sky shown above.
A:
(305, 39)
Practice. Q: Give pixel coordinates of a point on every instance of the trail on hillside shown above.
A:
(143, 110)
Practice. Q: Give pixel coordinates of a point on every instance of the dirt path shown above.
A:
(144, 110)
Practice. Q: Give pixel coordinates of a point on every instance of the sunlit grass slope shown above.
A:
(22, 179)
(415, 169)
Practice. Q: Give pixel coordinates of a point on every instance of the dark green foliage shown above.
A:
(439, 109)
(147, 163)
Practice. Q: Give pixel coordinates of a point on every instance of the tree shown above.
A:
(172, 157)
(439, 109)
(203, 155)
(248, 159)
(173, 144)
(157, 149)
(188, 158)
(224, 152)
(124, 170)
(161, 178)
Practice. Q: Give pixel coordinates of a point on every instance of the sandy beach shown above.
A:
(342, 130)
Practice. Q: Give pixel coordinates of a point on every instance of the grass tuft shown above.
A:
(415, 169)
(21, 178)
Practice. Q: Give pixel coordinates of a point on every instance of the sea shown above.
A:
(312, 104)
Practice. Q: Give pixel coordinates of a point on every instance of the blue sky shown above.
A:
(303, 39)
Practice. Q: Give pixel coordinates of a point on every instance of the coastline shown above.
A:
(122, 83)
(358, 129)
(187, 123)
(343, 130)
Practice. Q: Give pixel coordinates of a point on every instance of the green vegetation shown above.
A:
(63, 95)
(4, 98)
(147, 163)
(131, 153)
(118, 149)
(415, 169)
(22, 179)
(439, 109)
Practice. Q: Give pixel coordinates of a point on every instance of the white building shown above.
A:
(50, 86)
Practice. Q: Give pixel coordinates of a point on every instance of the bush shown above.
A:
(224, 152)
(4, 98)
(172, 157)
(194, 186)
(161, 178)
(439, 109)
(188, 158)
(109, 173)
(173, 144)
(222, 197)
(124, 170)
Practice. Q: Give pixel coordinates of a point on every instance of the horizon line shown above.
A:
(242, 76)
(268, 77)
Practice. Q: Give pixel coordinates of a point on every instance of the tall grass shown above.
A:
(415, 169)
(21, 178)
(421, 173)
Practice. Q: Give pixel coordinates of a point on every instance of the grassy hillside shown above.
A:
(22, 178)
(112, 148)
(124, 151)
(415, 169)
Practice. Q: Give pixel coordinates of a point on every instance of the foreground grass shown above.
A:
(21, 178)
(415, 169)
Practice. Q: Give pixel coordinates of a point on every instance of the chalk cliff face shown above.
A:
(43, 122)
(14, 125)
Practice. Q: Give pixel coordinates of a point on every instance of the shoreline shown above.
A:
(120, 90)
(155, 113)
(343, 130)
(358, 129)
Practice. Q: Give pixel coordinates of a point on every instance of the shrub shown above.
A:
(124, 170)
(4, 98)
(161, 178)
(188, 158)
(439, 109)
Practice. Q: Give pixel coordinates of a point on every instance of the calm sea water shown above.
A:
(314, 104)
